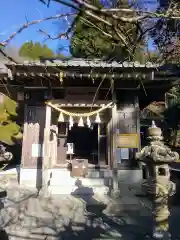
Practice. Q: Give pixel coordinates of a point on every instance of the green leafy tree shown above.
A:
(35, 50)
(172, 115)
(88, 41)
(10, 131)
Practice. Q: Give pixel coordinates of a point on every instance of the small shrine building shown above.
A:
(82, 117)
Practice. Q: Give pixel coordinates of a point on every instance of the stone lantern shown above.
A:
(156, 158)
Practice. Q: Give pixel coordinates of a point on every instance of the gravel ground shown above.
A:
(27, 215)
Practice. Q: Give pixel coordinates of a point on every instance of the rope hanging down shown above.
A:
(88, 114)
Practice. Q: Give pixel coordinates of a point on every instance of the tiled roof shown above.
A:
(85, 63)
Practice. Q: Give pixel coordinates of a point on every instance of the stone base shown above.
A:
(59, 181)
(28, 178)
(129, 176)
(161, 235)
(124, 179)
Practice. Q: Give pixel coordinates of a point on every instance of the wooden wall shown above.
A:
(34, 123)
(125, 120)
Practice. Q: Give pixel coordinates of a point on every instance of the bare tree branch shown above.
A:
(68, 4)
(86, 21)
(110, 17)
(63, 35)
(173, 12)
(28, 24)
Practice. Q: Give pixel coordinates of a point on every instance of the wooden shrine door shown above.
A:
(61, 143)
(58, 143)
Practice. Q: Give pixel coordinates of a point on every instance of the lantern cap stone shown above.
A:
(154, 132)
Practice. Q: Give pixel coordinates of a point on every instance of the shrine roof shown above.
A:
(97, 63)
(64, 71)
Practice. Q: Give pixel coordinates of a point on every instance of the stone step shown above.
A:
(92, 172)
(84, 181)
(81, 191)
(99, 173)
(61, 177)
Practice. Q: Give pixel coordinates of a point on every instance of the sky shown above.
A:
(14, 13)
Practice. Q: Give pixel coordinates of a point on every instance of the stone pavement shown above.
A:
(27, 215)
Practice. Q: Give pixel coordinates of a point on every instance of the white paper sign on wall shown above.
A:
(37, 150)
(124, 153)
(70, 148)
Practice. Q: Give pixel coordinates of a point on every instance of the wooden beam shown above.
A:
(122, 76)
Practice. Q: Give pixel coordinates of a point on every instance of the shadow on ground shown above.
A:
(123, 225)
(129, 223)
(80, 216)
(3, 235)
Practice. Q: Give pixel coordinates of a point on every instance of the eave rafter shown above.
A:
(60, 73)
(63, 74)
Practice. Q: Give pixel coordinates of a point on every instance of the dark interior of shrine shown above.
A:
(85, 142)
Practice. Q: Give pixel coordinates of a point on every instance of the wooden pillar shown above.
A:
(25, 135)
(114, 136)
(99, 144)
(46, 157)
(114, 127)
(108, 144)
(114, 149)
(47, 150)
(138, 121)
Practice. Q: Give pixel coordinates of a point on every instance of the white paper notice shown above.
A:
(124, 153)
(37, 150)
(70, 148)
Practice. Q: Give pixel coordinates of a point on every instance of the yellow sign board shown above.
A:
(130, 140)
